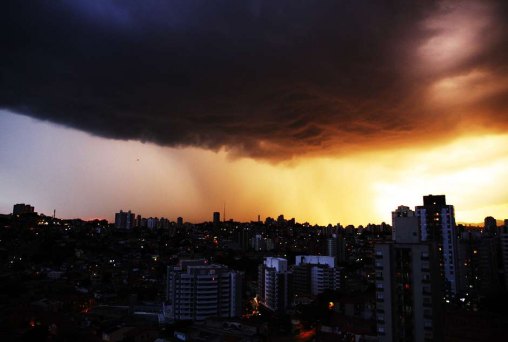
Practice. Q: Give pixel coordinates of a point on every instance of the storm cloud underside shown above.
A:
(264, 79)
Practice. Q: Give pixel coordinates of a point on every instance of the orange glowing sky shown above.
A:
(326, 112)
(106, 176)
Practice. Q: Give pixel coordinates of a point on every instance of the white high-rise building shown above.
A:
(274, 291)
(197, 290)
(408, 303)
(403, 222)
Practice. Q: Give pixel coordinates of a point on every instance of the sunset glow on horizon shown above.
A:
(192, 183)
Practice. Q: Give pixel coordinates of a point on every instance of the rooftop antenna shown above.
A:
(224, 212)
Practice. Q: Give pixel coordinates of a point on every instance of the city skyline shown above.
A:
(334, 112)
(150, 163)
(128, 219)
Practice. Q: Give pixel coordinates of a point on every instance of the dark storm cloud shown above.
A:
(268, 79)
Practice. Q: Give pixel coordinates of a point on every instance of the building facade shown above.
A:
(503, 246)
(437, 222)
(336, 247)
(216, 217)
(21, 209)
(407, 281)
(490, 226)
(274, 284)
(197, 290)
(124, 220)
(314, 274)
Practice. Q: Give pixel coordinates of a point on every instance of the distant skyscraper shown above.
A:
(179, 221)
(152, 222)
(437, 221)
(336, 247)
(216, 217)
(490, 226)
(274, 279)
(258, 242)
(243, 237)
(197, 290)
(408, 294)
(21, 208)
(124, 220)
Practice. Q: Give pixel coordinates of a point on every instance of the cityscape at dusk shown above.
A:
(255, 170)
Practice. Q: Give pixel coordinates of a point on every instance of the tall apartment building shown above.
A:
(408, 303)
(437, 222)
(274, 284)
(197, 290)
(313, 274)
(124, 220)
(490, 226)
(478, 261)
(336, 247)
(503, 240)
(488, 266)
(243, 238)
(258, 243)
(468, 250)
